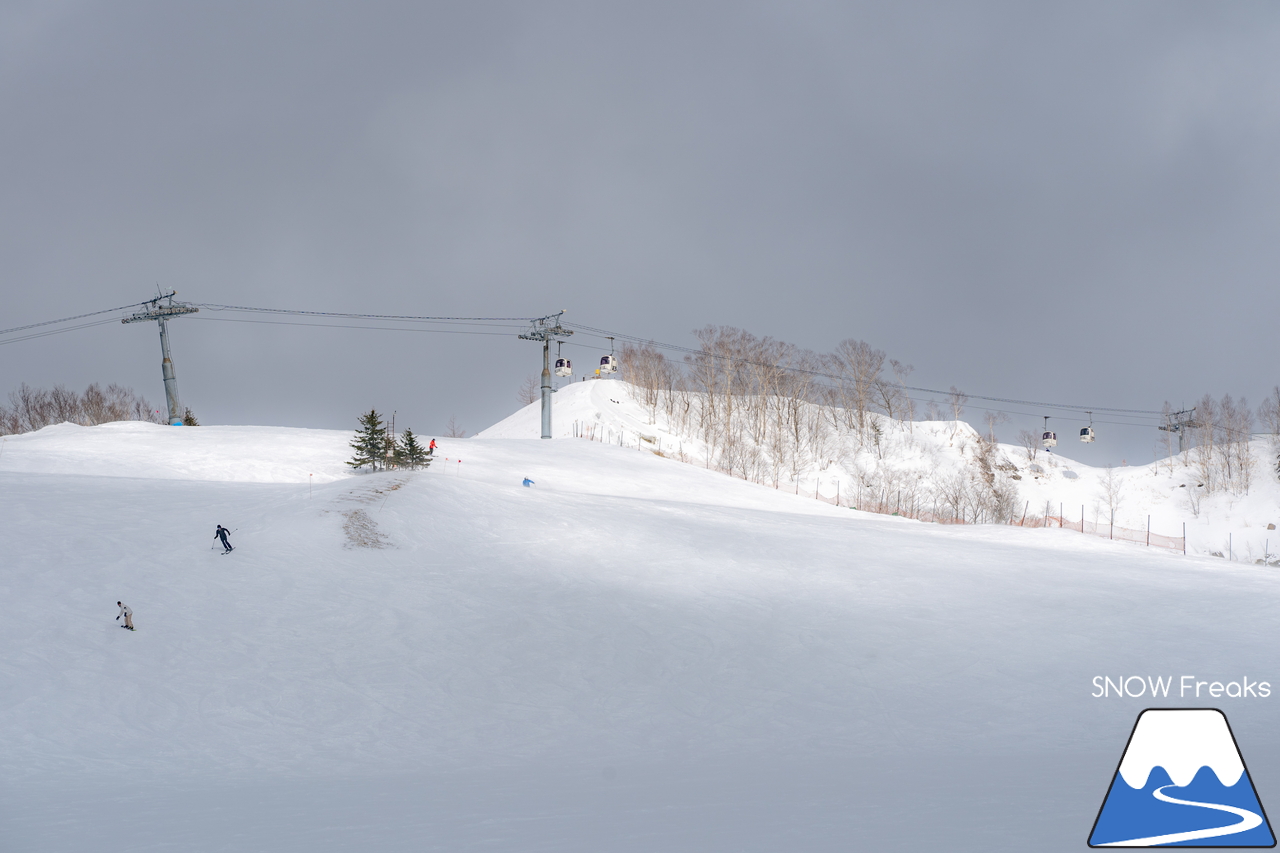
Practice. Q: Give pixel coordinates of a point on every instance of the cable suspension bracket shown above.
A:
(546, 329)
(158, 311)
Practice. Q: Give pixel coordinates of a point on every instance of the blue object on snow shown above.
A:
(528, 482)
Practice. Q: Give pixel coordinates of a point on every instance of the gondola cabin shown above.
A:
(608, 364)
(1049, 439)
(1086, 434)
(564, 367)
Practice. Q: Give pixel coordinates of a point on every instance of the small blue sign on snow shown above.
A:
(1181, 783)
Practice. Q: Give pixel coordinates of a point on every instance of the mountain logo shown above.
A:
(1181, 783)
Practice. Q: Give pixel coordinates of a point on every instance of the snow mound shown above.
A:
(239, 454)
(937, 470)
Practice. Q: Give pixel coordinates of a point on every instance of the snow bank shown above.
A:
(239, 454)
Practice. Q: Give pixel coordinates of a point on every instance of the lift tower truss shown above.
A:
(546, 329)
(1178, 423)
(162, 309)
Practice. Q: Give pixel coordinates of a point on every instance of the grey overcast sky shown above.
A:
(1071, 202)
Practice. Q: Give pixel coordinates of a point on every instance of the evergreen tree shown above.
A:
(370, 442)
(410, 453)
(189, 419)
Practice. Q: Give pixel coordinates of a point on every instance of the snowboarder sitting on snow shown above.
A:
(222, 534)
(127, 614)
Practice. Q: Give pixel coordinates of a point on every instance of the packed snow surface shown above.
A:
(153, 452)
(632, 654)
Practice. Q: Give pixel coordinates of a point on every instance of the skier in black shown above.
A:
(222, 534)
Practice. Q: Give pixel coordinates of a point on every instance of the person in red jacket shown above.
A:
(431, 448)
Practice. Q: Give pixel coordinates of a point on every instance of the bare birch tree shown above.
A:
(900, 373)
(956, 400)
(858, 366)
(530, 390)
(1030, 442)
(993, 420)
(1111, 493)
(1269, 414)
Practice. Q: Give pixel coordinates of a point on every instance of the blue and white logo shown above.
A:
(1181, 783)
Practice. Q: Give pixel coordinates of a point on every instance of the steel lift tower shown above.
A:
(546, 329)
(1179, 423)
(161, 313)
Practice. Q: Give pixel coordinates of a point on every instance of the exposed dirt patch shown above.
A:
(367, 494)
(362, 531)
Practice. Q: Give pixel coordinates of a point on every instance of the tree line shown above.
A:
(771, 412)
(377, 446)
(1221, 433)
(30, 409)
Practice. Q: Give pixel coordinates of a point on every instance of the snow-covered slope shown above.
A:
(241, 454)
(632, 654)
(915, 462)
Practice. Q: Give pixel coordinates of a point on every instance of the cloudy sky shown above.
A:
(1070, 203)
